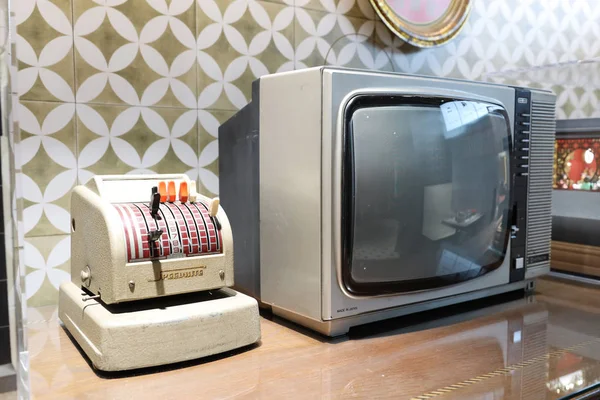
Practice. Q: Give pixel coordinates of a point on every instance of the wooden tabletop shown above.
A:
(540, 347)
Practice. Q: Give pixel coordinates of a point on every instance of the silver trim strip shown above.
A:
(569, 277)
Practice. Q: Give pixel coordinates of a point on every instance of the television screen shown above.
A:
(430, 193)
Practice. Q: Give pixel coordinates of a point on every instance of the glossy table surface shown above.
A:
(544, 346)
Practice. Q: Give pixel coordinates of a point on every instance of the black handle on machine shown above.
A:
(153, 236)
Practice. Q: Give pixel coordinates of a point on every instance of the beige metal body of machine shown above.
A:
(150, 278)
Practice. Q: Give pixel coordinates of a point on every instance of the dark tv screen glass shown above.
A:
(427, 194)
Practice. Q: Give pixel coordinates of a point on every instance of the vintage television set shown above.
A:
(359, 195)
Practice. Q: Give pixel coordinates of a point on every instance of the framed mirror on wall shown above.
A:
(576, 200)
(424, 23)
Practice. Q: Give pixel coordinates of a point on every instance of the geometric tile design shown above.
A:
(577, 85)
(358, 9)
(327, 38)
(135, 52)
(114, 139)
(45, 50)
(239, 41)
(48, 165)
(138, 86)
(208, 145)
(47, 265)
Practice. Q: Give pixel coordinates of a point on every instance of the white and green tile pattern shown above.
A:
(130, 86)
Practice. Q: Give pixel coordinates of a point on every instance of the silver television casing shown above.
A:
(280, 171)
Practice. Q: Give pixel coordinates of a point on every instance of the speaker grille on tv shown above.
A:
(539, 202)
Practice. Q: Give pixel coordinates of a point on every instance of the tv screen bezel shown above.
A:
(348, 195)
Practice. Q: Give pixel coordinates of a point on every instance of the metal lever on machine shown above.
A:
(213, 209)
(153, 236)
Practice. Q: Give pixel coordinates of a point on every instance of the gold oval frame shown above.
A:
(438, 32)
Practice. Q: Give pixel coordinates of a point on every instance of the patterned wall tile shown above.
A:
(121, 140)
(464, 57)
(387, 48)
(135, 52)
(499, 35)
(45, 50)
(333, 39)
(576, 84)
(239, 41)
(350, 8)
(47, 266)
(48, 163)
(208, 148)
(577, 102)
